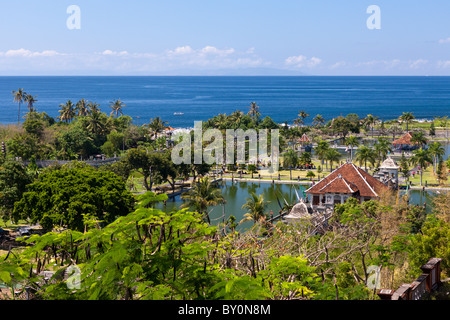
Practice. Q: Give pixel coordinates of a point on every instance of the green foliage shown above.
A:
(431, 242)
(67, 196)
(13, 182)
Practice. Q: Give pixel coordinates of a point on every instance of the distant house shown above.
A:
(346, 181)
(404, 143)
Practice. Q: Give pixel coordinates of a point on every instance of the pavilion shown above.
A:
(404, 143)
(346, 181)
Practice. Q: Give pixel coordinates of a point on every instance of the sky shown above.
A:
(218, 37)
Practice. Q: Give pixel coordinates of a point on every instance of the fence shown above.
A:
(427, 282)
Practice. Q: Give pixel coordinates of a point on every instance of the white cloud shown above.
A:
(28, 53)
(114, 53)
(442, 41)
(302, 61)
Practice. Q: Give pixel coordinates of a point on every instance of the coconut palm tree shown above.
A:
(290, 159)
(310, 174)
(203, 196)
(407, 117)
(254, 111)
(82, 107)
(93, 107)
(116, 106)
(30, 100)
(256, 207)
(421, 158)
(419, 138)
(67, 112)
(382, 147)
(236, 119)
(370, 121)
(366, 154)
(302, 115)
(437, 152)
(319, 120)
(332, 155)
(351, 142)
(395, 130)
(321, 150)
(95, 123)
(157, 126)
(19, 97)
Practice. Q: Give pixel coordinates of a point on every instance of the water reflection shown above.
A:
(236, 193)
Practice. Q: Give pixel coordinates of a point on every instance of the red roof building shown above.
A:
(405, 140)
(346, 181)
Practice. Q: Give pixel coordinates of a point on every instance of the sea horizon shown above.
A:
(200, 97)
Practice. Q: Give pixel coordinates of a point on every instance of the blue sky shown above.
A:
(170, 37)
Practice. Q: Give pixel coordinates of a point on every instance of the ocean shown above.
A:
(200, 98)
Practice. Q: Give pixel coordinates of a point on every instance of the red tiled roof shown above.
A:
(406, 139)
(339, 185)
(349, 177)
(305, 138)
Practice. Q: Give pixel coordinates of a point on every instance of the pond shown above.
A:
(236, 193)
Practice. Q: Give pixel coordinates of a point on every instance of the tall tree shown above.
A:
(157, 125)
(407, 117)
(204, 195)
(67, 112)
(30, 100)
(256, 207)
(254, 111)
(82, 107)
(366, 154)
(332, 155)
(421, 158)
(319, 120)
(437, 151)
(321, 150)
(352, 142)
(116, 106)
(19, 97)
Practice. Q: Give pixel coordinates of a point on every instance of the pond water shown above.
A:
(236, 193)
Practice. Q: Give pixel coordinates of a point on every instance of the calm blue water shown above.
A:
(200, 98)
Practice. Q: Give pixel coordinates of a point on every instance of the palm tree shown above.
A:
(290, 159)
(203, 196)
(95, 123)
(30, 102)
(93, 107)
(321, 150)
(236, 118)
(319, 120)
(82, 107)
(437, 151)
(407, 117)
(302, 115)
(116, 107)
(383, 147)
(19, 97)
(67, 112)
(254, 111)
(352, 142)
(421, 158)
(157, 126)
(419, 138)
(332, 155)
(395, 130)
(366, 154)
(370, 121)
(256, 207)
